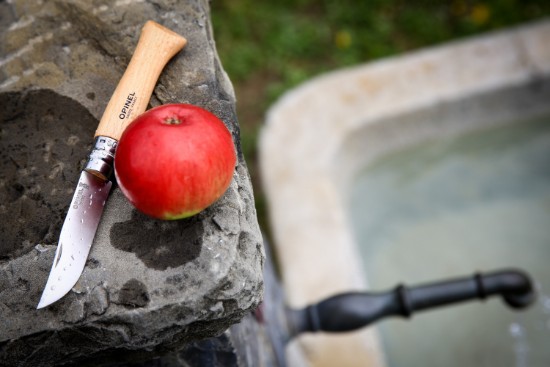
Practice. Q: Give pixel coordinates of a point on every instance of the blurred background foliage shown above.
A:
(268, 47)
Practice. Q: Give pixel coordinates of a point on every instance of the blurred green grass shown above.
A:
(268, 47)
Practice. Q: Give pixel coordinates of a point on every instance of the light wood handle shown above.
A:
(156, 46)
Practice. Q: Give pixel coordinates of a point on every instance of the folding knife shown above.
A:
(156, 46)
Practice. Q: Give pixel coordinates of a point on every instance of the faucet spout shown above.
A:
(515, 287)
(350, 311)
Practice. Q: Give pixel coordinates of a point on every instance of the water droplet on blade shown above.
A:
(52, 287)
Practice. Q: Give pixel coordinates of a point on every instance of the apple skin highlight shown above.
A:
(175, 160)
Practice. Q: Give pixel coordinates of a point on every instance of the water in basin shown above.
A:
(451, 207)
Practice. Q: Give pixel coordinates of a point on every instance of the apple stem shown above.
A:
(171, 121)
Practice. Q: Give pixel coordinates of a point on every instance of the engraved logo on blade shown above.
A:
(79, 196)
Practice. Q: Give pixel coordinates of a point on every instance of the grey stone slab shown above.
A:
(149, 286)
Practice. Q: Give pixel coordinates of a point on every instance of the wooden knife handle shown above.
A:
(156, 46)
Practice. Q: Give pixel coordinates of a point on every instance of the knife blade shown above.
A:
(156, 46)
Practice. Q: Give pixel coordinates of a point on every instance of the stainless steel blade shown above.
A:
(77, 235)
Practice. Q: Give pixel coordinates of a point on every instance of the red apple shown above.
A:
(174, 161)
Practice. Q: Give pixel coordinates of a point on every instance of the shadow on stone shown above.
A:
(41, 135)
(159, 244)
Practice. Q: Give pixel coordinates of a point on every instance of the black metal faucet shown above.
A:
(354, 310)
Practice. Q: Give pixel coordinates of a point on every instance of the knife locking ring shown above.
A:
(101, 159)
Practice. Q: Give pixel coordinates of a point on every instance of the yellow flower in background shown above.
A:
(480, 14)
(342, 39)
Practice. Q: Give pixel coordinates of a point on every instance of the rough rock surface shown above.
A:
(149, 286)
